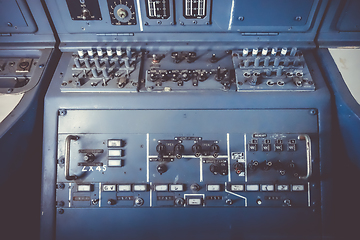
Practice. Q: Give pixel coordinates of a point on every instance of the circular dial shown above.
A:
(122, 12)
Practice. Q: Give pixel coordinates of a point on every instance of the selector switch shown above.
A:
(89, 157)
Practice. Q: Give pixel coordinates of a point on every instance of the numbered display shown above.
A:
(195, 9)
(122, 12)
(156, 9)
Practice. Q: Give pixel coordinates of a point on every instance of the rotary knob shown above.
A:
(161, 168)
(122, 13)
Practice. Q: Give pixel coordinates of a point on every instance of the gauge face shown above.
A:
(194, 9)
(84, 9)
(122, 12)
(158, 9)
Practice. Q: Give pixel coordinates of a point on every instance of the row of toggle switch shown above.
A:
(266, 51)
(269, 62)
(109, 52)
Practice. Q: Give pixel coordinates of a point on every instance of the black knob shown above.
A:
(89, 157)
(138, 201)
(215, 169)
(179, 202)
(195, 187)
(202, 76)
(179, 149)
(229, 201)
(111, 202)
(239, 167)
(161, 168)
(253, 165)
(185, 76)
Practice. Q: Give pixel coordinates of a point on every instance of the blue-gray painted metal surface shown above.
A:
(87, 105)
(26, 36)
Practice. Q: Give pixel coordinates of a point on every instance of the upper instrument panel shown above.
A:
(86, 20)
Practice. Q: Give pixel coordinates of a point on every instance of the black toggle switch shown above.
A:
(178, 150)
(215, 149)
(196, 148)
(190, 57)
(214, 59)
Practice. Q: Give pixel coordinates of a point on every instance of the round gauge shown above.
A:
(122, 12)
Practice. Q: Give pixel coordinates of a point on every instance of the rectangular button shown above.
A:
(213, 187)
(115, 153)
(192, 201)
(161, 188)
(237, 187)
(267, 188)
(124, 188)
(115, 143)
(140, 187)
(84, 188)
(115, 163)
(252, 188)
(176, 187)
(109, 188)
(282, 187)
(252, 147)
(298, 188)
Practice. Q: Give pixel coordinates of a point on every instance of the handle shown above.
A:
(308, 155)
(67, 156)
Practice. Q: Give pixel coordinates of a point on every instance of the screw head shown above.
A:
(9, 24)
(313, 112)
(298, 18)
(61, 211)
(41, 65)
(241, 18)
(62, 112)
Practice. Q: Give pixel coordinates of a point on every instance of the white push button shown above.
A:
(176, 187)
(283, 187)
(237, 187)
(109, 188)
(161, 188)
(252, 188)
(140, 188)
(115, 163)
(298, 188)
(267, 188)
(115, 143)
(124, 188)
(84, 188)
(213, 187)
(115, 153)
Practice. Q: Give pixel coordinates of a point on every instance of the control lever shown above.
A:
(67, 157)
